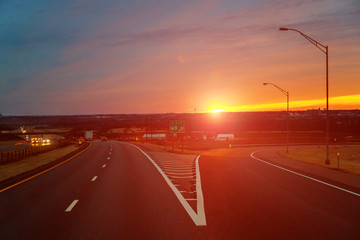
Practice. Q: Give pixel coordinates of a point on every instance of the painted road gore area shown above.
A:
(118, 190)
(183, 176)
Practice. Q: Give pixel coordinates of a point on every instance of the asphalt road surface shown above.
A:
(113, 191)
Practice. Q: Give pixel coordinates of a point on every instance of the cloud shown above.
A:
(61, 51)
(180, 58)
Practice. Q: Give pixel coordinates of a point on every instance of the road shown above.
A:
(113, 191)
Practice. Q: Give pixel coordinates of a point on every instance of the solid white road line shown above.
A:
(177, 164)
(94, 178)
(302, 175)
(180, 168)
(180, 172)
(199, 194)
(176, 167)
(72, 205)
(199, 217)
(172, 176)
(173, 161)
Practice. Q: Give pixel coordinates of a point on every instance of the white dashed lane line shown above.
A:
(72, 205)
(104, 165)
(94, 178)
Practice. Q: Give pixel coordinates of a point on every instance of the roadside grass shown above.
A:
(349, 158)
(15, 168)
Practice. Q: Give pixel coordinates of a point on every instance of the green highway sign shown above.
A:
(177, 126)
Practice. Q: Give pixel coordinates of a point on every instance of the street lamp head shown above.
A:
(283, 29)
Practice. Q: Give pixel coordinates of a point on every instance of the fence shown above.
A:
(18, 154)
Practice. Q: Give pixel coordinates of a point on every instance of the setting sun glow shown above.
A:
(217, 111)
(335, 103)
(151, 61)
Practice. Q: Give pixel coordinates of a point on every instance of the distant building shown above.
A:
(225, 137)
(154, 136)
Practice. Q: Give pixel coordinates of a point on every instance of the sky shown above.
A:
(113, 57)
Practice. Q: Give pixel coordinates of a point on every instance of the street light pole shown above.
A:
(324, 49)
(287, 113)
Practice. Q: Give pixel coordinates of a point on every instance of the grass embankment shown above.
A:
(11, 143)
(349, 158)
(13, 169)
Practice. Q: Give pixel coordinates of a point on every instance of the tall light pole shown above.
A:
(324, 49)
(287, 113)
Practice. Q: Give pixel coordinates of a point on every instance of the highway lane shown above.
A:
(254, 200)
(125, 197)
(33, 209)
(128, 199)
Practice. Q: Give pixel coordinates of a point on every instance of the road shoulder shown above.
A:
(333, 175)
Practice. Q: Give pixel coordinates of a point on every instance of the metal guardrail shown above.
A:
(18, 154)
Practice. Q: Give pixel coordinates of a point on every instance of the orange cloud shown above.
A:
(180, 58)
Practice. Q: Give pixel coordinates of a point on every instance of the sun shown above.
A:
(217, 111)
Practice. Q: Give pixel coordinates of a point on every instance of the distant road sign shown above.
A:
(177, 126)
